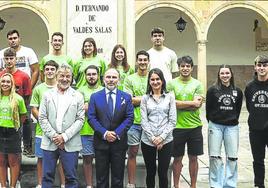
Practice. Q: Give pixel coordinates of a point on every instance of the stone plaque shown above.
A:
(94, 18)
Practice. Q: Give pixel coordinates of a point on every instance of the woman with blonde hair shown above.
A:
(12, 113)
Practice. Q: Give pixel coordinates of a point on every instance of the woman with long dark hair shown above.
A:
(90, 56)
(119, 62)
(12, 113)
(158, 119)
(223, 106)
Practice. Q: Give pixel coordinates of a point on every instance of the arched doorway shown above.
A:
(32, 29)
(231, 40)
(183, 43)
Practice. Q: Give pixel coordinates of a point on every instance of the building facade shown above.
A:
(217, 32)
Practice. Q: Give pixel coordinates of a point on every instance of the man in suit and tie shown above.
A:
(61, 116)
(110, 114)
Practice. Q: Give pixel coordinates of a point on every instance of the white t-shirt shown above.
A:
(165, 60)
(25, 57)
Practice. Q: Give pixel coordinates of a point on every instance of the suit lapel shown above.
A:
(118, 101)
(69, 95)
(54, 98)
(104, 103)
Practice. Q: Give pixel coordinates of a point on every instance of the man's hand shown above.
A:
(198, 101)
(110, 136)
(58, 140)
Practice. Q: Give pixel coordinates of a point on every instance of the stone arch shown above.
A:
(15, 14)
(231, 5)
(28, 7)
(177, 6)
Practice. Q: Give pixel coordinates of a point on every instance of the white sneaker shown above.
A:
(18, 184)
(62, 186)
(38, 186)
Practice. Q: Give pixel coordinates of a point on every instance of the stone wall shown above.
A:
(242, 74)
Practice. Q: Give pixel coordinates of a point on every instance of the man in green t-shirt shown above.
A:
(93, 85)
(136, 85)
(189, 96)
(56, 55)
(50, 69)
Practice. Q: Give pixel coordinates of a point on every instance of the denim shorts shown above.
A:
(37, 149)
(10, 141)
(87, 144)
(134, 135)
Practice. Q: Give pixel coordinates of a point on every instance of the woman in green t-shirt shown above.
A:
(12, 112)
(90, 56)
(119, 62)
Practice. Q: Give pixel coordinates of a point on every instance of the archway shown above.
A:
(165, 16)
(32, 29)
(233, 42)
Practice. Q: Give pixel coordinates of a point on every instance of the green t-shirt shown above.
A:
(6, 119)
(60, 59)
(80, 66)
(37, 96)
(87, 92)
(136, 86)
(123, 75)
(186, 91)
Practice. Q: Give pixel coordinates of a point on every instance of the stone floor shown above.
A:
(245, 171)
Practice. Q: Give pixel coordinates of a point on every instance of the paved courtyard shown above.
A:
(245, 170)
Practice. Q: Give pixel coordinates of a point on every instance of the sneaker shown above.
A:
(38, 186)
(27, 151)
(18, 184)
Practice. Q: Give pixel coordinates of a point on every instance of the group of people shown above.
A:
(106, 111)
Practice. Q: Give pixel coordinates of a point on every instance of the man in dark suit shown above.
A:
(110, 113)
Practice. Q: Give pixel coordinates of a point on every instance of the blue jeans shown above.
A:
(69, 162)
(229, 136)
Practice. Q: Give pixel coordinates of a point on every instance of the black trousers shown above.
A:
(106, 159)
(164, 156)
(258, 142)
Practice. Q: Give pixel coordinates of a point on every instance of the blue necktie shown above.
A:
(110, 103)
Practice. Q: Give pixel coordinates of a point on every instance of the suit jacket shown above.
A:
(72, 120)
(101, 120)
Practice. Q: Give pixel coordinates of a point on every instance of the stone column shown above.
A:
(126, 28)
(202, 65)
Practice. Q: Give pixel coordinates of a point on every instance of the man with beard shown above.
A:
(61, 117)
(93, 85)
(136, 85)
(162, 57)
(189, 95)
(56, 55)
(110, 114)
(256, 94)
